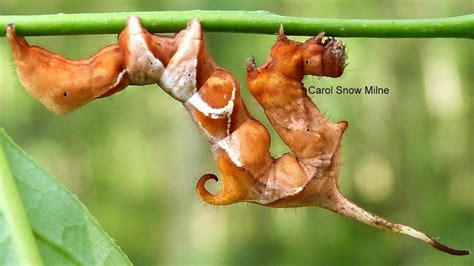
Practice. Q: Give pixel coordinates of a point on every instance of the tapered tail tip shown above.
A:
(343, 206)
(448, 250)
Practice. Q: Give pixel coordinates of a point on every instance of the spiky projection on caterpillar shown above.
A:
(182, 67)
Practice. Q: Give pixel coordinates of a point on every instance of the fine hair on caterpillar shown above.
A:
(182, 67)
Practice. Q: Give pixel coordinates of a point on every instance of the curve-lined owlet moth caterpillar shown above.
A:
(182, 67)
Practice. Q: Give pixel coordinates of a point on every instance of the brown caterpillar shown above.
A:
(182, 66)
(63, 85)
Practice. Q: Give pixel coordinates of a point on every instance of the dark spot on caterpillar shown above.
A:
(189, 75)
(65, 93)
(306, 62)
(151, 63)
(307, 129)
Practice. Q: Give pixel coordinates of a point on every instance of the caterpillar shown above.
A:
(183, 68)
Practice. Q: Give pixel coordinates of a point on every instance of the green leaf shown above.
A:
(64, 231)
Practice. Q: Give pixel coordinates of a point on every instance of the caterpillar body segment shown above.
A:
(313, 139)
(143, 66)
(63, 85)
(217, 106)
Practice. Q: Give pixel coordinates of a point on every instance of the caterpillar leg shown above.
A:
(63, 85)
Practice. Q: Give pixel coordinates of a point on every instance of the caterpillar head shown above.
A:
(313, 57)
(323, 59)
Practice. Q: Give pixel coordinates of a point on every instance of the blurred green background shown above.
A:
(134, 158)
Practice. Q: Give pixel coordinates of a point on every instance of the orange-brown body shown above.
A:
(61, 84)
(183, 68)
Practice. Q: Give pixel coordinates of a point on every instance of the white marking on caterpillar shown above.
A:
(215, 113)
(232, 98)
(273, 193)
(293, 123)
(313, 166)
(143, 67)
(207, 110)
(179, 77)
(273, 190)
(232, 147)
(119, 78)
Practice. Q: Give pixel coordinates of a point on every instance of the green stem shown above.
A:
(242, 21)
(15, 216)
